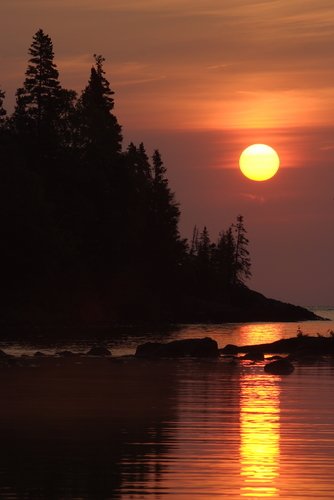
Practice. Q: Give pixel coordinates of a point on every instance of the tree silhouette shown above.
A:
(43, 107)
(98, 131)
(84, 222)
(224, 259)
(242, 263)
(194, 242)
(3, 112)
(165, 238)
(39, 97)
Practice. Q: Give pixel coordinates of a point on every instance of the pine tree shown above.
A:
(137, 191)
(194, 242)
(166, 249)
(204, 247)
(139, 163)
(165, 209)
(3, 112)
(159, 170)
(224, 259)
(39, 97)
(99, 134)
(7, 151)
(242, 263)
(42, 116)
(203, 264)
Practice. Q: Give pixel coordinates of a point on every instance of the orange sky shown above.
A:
(201, 80)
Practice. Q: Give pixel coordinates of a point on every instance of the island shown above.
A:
(90, 228)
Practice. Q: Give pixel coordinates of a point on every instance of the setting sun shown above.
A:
(259, 162)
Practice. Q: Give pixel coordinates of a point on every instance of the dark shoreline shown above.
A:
(244, 306)
(299, 345)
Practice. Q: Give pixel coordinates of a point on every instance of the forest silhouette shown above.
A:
(90, 229)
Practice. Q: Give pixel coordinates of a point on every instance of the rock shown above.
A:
(300, 345)
(6, 359)
(200, 348)
(99, 351)
(229, 349)
(254, 356)
(39, 354)
(279, 367)
(66, 354)
(149, 349)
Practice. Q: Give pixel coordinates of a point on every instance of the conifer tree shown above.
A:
(204, 247)
(194, 242)
(138, 162)
(43, 109)
(165, 209)
(3, 112)
(242, 263)
(204, 263)
(99, 134)
(39, 97)
(165, 246)
(224, 258)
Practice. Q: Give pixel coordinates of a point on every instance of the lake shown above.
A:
(133, 429)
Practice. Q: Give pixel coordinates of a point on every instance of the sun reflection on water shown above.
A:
(259, 333)
(259, 435)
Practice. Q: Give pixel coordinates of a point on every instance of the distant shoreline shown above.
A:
(241, 306)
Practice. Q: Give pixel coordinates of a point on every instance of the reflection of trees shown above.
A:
(206, 445)
(74, 432)
(259, 435)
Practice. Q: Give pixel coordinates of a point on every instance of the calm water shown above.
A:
(124, 342)
(183, 429)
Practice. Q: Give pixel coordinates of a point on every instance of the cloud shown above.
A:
(226, 64)
(253, 198)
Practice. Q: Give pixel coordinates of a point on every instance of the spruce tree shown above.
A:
(194, 242)
(242, 262)
(3, 112)
(98, 132)
(204, 248)
(165, 210)
(39, 97)
(42, 116)
(204, 264)
(224, 259)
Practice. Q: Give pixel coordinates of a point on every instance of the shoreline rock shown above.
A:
(279, 367)
(99, 350)
(300, 346)
(199, 348)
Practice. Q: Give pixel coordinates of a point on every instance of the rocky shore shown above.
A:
(300, 345)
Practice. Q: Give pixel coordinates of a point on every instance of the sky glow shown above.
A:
(201, 81)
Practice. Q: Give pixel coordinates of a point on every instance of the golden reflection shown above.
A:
(259, 435)
(260, 333)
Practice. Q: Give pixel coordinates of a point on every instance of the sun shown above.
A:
(259, 162)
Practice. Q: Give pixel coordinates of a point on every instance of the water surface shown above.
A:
(133, 429)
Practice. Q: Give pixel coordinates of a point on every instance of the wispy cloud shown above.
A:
(244, 63)
(253, 198)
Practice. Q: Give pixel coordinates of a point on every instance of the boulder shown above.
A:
(279, 367)
(66, 354)
(254, 356)
(199, 348)
(99, 351)
(229, 349)
(39, 354)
